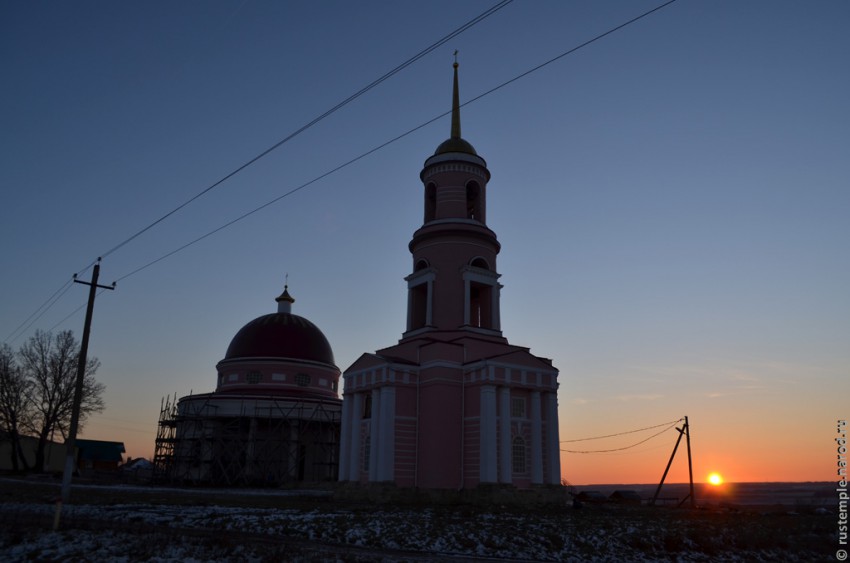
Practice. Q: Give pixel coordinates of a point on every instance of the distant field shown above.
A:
(742, 495)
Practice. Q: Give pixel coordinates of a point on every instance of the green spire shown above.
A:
(455, 143)
(455, 106)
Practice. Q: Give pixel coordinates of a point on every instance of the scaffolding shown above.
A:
(166, 430)
(267, 441)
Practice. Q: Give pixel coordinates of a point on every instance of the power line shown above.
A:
(624, 447)
(570, 51)
(367, 153)
(74, 312)
(623, 433)
(37, 314)
(389, 142)
(316, 120)
(477, 19)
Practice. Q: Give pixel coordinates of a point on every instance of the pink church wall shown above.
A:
(440, 444)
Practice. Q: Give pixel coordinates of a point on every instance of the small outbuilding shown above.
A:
(98, 455)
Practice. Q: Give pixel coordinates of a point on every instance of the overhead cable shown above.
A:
(386, 143)
(365, 154)
(316, 120)
(624, 447)
(623, 433)
(487, 13)
(37, 314)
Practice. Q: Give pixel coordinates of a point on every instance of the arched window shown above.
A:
(420, 265)
(430, 202)
(367, 407)
(474, 209)
(518, 455)
(418, 306)
(480, 305)
(480, 263)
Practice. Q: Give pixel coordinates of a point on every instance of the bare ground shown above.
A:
(163, 524)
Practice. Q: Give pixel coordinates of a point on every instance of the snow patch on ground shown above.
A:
(432, 533)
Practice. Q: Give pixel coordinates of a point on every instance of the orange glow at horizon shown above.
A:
(715, 479)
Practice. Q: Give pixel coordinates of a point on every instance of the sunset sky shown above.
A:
(672, 201)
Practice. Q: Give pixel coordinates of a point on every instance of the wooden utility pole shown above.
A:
(71, 442)
(690, 465)
(685, 431)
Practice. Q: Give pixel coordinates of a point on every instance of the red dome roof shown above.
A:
(281, 335)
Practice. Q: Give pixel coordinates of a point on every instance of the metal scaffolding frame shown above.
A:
(270, 441)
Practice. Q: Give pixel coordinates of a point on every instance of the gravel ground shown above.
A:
(147, 524)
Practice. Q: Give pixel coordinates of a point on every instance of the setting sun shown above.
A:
(715, 479)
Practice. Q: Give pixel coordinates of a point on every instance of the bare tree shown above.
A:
(50, 366)
(15, 405)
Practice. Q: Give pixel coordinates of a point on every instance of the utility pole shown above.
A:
(690, 465)
(685, 431)
(71, 442)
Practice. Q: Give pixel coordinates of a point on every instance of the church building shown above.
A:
(273, 419)
(452, 405)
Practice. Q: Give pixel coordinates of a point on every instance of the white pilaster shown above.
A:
(494, 307)
(354, 460)
(429, 300)
(536, 440)
(409, 309)
(345, 438)
(466, 294)
(553, 444)
(487, 435)
(505, 473)
(375, 435)
(386, 429)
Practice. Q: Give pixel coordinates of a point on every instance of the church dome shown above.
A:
(281, 335)
(455, 144)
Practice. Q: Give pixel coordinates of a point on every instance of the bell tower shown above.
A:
(454, 284)
(452, 404)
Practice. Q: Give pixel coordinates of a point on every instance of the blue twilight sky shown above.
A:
(672, 200)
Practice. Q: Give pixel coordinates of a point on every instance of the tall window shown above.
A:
(418, 306)
(518, 407)
(474, 209)
(367, 407)
(518, 455)
(430, 202)
(480, 301)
